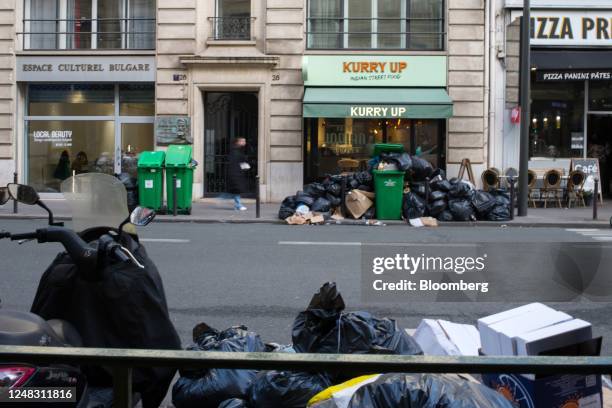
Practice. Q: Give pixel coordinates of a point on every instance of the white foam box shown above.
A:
(553, 337)
(488, 338)
(444, 338)
(507, 330)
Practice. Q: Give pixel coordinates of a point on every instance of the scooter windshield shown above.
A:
(96, 200)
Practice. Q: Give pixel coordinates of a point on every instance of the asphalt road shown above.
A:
(263, 275)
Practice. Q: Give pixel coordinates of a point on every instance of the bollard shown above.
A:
(15, 204)
(595, 197)
(512, 197)
(174, 210)
(257, 198)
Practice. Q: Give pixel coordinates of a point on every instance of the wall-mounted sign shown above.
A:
(85, 68)
(374, 70)
(591, 75)
(378, 111)
(59, 138)
(570, 27)
(173, 130)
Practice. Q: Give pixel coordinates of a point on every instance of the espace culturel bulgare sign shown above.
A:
(85, 68)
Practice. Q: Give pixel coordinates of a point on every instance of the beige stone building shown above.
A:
(87, 85)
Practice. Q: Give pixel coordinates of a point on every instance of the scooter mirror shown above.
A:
(142, 216)
(24, 194)
(4, 195)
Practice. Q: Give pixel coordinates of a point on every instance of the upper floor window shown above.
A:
(232, 20)
(89, 24)
(376, 24)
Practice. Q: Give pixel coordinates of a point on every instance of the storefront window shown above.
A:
(557, 119)
(600, 96)
(330, 140)
(60, 143)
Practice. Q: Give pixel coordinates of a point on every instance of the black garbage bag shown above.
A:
(483, 202)
(419, 187)
(370, 214)
(402, 160)
(353, 183)
(461, 209)
(500, 212)
(324, 327)
(437, 207)
(437, 195)
(287, 208)
(445, 216)
(303, 198)
(426, 391)
(286, 389)
(421, 169)
(364, 178)
(502, 196)
(333, 200)
(461, 189)
(334, 189)
(439, 173)
(234, 403)
(210, 387)
(321, 205)
(364, 187)
(440, 184)
(413, 206)
(315, 190)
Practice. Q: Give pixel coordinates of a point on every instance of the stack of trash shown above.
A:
(324, 327)
(427, 192)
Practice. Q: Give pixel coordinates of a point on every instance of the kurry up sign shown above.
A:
(375, 70)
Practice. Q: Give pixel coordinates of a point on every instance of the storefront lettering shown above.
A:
(377, 111)
(86, 68)
(571, 27)
(38, 67)
(80, 68)
(59, 138)
(574, 75)
(551, 28)
(373, 67)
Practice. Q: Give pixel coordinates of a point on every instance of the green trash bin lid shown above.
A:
(387, 147)
(178, 156)
(151, 159)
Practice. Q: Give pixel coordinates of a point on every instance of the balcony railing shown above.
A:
(86, 34)
(232, 28)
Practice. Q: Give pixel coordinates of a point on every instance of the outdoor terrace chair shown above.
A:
(575, 183)
(347, 166)
(490, 179)
(552, 187)
(532, 179)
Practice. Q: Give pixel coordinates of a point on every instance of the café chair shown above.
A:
(347, 166)
(575, 192)
(552, 187)
(510, 172)
(532, 179)
(490, 179)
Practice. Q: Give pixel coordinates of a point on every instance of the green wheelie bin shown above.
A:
(179, 163)
(389, 188)
(151, 179)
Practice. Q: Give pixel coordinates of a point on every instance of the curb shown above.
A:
(474, 224)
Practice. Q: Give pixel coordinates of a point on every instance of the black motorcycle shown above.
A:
(103, 291)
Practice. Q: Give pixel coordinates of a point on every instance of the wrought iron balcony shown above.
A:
(232, 28)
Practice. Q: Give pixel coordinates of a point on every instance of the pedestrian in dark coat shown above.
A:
(236, 172)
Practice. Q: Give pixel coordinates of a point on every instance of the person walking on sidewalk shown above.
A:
(236, 173)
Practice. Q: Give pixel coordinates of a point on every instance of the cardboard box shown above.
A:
(508, 330)
(443, 338)
(358, 202)
(489, 339)
(553, 337)
(557, 391)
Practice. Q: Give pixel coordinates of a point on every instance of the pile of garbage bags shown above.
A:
(427, 192)
(323, 327)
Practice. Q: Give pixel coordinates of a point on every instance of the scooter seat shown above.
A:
(26, 329)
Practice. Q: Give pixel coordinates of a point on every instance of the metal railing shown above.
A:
(123, 360)
(406, 34)
(232, 28)
(87, 33)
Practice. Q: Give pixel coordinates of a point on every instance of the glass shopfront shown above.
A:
(329, 140)
(78, 128)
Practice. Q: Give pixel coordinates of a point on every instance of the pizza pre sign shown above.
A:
(560, 27)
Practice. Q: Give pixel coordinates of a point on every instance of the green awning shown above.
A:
(374, 103)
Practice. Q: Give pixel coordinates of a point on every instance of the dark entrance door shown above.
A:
(599, 147)
(228, 115)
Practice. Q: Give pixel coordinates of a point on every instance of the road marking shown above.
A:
(168, 240)
(395, 244)
(581, 230)
(602, 238)
(601, 235)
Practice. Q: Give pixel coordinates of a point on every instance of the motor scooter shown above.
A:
(101, 269)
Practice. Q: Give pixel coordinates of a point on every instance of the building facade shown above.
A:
(310, 84)
(571, 85)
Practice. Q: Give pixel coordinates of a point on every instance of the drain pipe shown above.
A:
(490, 82)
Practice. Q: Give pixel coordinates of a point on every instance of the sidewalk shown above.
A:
(221, 211)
